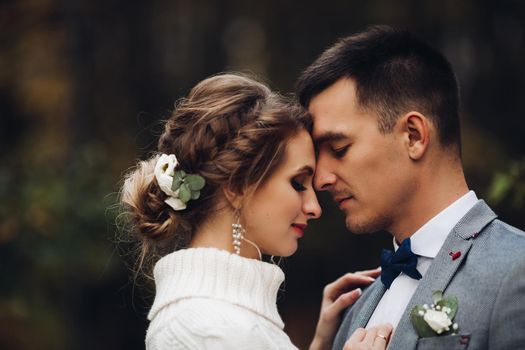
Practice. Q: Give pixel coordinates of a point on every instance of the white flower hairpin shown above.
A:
(179, 186)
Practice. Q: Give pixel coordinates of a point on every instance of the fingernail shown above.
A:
(359, 291)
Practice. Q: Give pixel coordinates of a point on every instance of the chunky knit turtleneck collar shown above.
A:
(220, 275)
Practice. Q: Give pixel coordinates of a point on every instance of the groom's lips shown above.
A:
(342, 200)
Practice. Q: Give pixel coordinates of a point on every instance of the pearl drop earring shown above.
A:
(237, 234)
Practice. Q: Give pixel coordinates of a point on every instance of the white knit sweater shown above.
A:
(210, 299)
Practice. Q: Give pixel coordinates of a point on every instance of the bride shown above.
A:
(231, 181)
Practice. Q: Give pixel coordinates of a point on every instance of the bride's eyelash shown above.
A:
(299, 187)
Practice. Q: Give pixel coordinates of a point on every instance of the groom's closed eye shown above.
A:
(340, 151)
(337, 143)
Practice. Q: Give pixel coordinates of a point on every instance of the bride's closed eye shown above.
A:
(297, 185)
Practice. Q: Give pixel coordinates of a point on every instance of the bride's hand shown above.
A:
(336, 298)
(375, 338)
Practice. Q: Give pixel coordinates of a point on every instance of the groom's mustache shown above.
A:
(339, 195)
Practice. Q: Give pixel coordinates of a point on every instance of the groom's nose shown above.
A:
(324, 177)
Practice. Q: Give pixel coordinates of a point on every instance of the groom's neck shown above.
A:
(438, 187)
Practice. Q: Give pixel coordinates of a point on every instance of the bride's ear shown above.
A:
(233, 198)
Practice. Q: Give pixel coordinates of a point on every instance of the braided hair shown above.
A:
(232, 130)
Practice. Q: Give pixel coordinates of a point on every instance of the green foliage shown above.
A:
(422, 328)
(60, 241)
(450, 302)
(188, 185)
(178, 178)
(437, 296)
(72, 123)
(509, 186)
(440, 303)
(184, 193)
(195, 182)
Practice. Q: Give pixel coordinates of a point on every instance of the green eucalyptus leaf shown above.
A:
(184, 193)
(437, 296)
(195, 182)
(176, 184)
(419, 323)
(450, 302)
(178, 175)
(195, 194)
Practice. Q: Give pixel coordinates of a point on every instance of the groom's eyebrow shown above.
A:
(328, 137)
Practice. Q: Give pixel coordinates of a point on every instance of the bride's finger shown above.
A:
(375, 338)
(383, 334)
(373, 273)
(356, 338)
(344, 301)
(370, 337)
(346, 282)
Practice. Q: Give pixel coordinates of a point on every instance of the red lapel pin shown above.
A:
(455, 255)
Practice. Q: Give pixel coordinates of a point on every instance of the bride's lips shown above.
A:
(299, 229)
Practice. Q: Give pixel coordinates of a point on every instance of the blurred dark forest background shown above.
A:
(84, 84)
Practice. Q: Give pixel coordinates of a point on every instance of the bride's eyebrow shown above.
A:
(328, 137)
(306, 169)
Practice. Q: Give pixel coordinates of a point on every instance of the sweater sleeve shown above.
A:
(254, 338)
(198, 328)
(177, 335)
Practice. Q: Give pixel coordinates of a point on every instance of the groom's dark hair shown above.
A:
(395, 72)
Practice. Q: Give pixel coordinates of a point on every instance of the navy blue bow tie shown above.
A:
(403, 260)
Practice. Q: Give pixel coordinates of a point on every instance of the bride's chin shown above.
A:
(290, 251)
(285, 253)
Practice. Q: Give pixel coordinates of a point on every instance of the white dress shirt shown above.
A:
(426, 243)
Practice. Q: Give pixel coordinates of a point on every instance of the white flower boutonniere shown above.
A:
(436, 318)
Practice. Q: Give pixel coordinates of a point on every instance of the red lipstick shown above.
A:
(299, 229)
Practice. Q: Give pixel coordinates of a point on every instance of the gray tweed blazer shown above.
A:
(488, 279)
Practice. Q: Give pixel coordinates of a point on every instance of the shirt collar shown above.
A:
(429, 238)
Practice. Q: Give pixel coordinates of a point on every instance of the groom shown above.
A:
(387, 131)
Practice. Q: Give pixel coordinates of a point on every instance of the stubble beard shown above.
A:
(368, 225)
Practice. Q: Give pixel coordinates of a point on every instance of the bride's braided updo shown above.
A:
(232, 131)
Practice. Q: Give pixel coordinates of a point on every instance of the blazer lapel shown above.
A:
(370, 304)
(359, 314)
(443, 268)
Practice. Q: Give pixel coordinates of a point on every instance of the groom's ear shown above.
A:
(416, 131)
